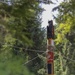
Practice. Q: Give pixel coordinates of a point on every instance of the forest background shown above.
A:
(23, 40)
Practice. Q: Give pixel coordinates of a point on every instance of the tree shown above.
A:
(22, 26)
(65, 38)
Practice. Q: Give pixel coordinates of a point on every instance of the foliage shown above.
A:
(64, 53)
(14, 66)
(20, 30)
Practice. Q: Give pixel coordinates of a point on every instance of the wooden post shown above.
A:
(50, 48)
